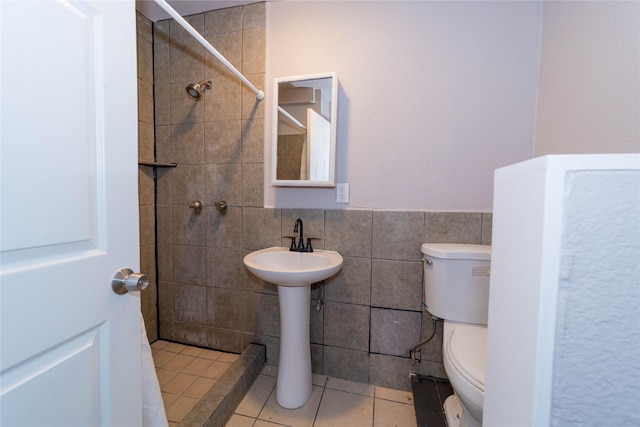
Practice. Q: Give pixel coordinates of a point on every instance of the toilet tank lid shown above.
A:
(457, 251)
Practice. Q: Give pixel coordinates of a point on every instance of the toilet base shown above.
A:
(452, 411)
(455, 414)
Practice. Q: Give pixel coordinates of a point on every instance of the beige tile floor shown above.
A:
(333, 402)
(185, 374)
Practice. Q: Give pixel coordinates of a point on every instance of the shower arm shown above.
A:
(180, 20)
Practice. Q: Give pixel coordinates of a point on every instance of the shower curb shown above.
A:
(217, 406)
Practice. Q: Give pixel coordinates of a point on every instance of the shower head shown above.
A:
(195, 90)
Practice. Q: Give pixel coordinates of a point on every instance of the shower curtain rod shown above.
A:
(290, 117)
(180, 20)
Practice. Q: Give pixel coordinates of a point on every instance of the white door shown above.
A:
(319, 140)
(70, 347)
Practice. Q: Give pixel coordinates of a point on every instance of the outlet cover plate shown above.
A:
(342, 192)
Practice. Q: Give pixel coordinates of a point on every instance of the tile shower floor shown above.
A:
(186, 374)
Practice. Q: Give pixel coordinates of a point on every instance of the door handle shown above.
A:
(125, 280)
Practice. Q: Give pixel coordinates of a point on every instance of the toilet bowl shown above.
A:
(464, 357)
(456, 289)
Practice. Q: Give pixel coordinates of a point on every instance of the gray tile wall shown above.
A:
(289, 152)
(217, 142)
(372, 309)
(145, 174)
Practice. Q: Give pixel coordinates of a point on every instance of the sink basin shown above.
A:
(282, 267)
(293, 272)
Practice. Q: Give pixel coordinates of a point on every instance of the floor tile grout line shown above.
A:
(373, 415)
(264, 404)
(394, 401)
(315, 416)
(350, 392)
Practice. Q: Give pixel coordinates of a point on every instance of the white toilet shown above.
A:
(456, 289)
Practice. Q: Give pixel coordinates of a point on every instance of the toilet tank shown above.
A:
(456, 281)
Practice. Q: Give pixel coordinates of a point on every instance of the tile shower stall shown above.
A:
(365, 320)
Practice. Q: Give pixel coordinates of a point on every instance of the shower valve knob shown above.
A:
(221, 206)
(197, 206)
(125, 280)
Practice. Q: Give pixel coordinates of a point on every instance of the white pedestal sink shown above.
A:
(293, 272)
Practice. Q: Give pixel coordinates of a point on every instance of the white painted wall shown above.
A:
(434, 96)
(589, 89)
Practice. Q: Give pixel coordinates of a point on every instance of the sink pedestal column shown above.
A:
(293, 387)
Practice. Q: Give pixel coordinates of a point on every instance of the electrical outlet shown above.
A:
(342, 193)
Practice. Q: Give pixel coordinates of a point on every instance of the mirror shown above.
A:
(304, 130)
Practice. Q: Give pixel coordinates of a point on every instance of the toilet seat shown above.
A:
(467, 349)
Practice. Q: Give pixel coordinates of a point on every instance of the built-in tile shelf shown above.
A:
(158, 164)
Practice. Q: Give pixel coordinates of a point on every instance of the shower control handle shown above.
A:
(222, 206)
(125, 280)
(197, 206)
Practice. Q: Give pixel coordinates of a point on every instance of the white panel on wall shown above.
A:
(565, 296)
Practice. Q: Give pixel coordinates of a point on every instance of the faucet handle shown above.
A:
(293, 242)
(309, 239)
